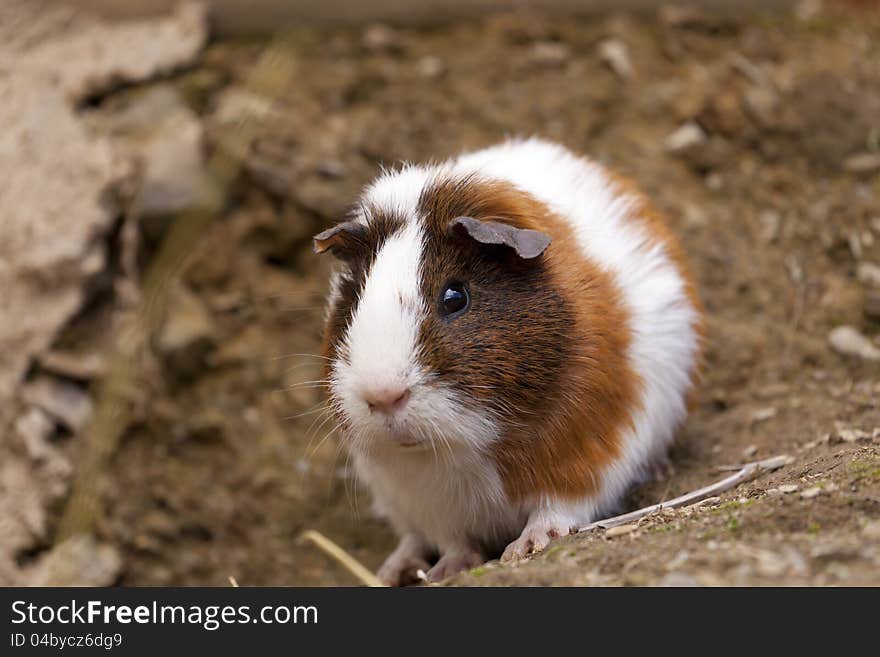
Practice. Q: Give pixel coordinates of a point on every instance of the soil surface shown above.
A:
(758, 137)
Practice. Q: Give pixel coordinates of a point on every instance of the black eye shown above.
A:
(454, 299)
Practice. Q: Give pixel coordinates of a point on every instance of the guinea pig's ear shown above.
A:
(341, 239)
(528, 244)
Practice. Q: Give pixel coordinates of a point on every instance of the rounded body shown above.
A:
(512, 340)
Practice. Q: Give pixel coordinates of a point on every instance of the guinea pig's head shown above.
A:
(445, 328)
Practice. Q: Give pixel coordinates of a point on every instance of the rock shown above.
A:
(64, 183)
(687, 136)
(550, 53)
(78, 561)
(761, 104)
(168, 139)
(787, 489)
(615, 55)
(34, 428)
(381, 38)
(187, 334)
(862, 162)
(868, 274)
(763, 414)
(811, 492)
(431, 67)
(847, 341)
(771, 222)
(66, 402)
(621, 530)
(81, 367)
(750, 451)
(852, 435)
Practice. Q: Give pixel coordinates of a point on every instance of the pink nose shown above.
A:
(387, 400)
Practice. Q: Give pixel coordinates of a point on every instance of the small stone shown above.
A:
(551, 53)
(862, 162)
(66, 402)
(771, 222)
(763, 414)
(615, 54)
(621, 530)
(187, 335)
(378, 38)
(855, 245)
(810, 493)
(431, 67)
(852, 435)
(750, 451)
(34, 428)
(78, 561)
(788, 489)
(687, 136)
(868, 274)
(847, 340)
(761, 103)
(168, 138)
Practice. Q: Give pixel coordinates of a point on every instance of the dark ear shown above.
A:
(340, 239)
(528, 244)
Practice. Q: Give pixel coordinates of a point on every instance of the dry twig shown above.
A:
(342, 557)
(746, 473)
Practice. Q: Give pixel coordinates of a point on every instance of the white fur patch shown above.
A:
(446, 486)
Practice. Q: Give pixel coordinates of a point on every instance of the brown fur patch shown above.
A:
(548, 338)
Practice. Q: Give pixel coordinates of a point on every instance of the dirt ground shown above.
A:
(773, 186)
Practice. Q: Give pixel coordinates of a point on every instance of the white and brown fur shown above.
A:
(533, 412)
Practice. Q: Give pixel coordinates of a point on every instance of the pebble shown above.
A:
(862, 162)
(852, 435)
(688, 135)
(868, 274)
(78, 561)
(66, 402)
(377, 38)
(431, 67)
(750, 451)
(615, 54)
(550, 52)
(34, 427)
(763, 414)
(187, 334)
(620, 530)
(771, 222)
(810, 493)
(848, 341)
(787, 489)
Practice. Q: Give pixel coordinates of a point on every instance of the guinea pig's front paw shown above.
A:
(402, 565)
(454, 561)
(535, 537)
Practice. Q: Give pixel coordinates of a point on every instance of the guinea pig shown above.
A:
(512, 340)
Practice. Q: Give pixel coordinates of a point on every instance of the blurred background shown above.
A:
(163, 166)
